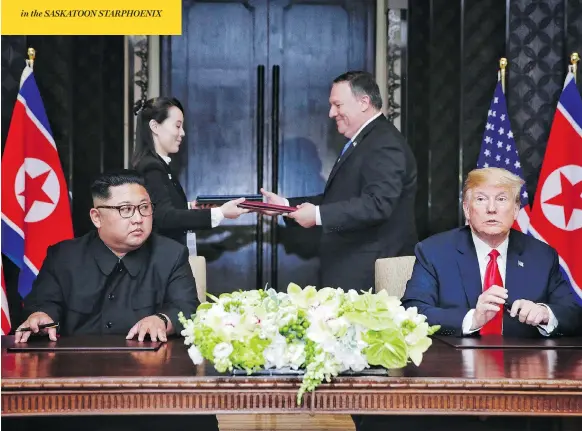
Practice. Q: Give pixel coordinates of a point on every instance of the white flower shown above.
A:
(296, 355)
(195, 355)
(275, 353)
(352, 295)
(188, 332)
(222, 350)
(337, 326)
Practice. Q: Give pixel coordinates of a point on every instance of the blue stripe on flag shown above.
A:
(570, 100)
(25, 280)
(12, 244)
(29, 91)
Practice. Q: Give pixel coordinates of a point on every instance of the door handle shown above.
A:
(275, 170)
(260, 130)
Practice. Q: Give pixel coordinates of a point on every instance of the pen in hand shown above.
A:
(43, 326)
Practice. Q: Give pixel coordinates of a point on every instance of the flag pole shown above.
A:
(574, 59)
(502, 66)
(31, 54)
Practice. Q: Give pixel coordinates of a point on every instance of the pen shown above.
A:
(43, 326)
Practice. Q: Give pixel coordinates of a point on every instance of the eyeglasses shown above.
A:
(127, 211)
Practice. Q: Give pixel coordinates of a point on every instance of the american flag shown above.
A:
(498, 150)
(5, 317)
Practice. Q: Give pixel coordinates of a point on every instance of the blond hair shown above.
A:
(498, 177)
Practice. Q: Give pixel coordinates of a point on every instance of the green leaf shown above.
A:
(211, 296)
(374, 320)
(386, 348)
(433, 329)
(204, 306)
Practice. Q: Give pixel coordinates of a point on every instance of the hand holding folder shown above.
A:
(275, 204)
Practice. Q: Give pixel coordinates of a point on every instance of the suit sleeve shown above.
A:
(382, 183)
(561, 301)
(315, 200)
(46, 294)
(422, 292)
(166, 215)
(181, 294)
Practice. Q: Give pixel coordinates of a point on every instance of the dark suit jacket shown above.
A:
(82, 286)
(172, 218)
(446, 282)
(367, 208)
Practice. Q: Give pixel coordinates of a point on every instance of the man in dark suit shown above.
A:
(367, 208)
(465, 278)
(121, 279)
(104, 282)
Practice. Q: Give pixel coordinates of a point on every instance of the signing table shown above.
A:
(452, 379)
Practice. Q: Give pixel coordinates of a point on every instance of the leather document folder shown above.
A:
(500, 342)
(81, 343)
(222, 199)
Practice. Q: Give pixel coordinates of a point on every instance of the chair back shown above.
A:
(392, 274)
(198, 265)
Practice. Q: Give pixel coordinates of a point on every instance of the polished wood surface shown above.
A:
(501, 342)
(106, 343)
(460, 381)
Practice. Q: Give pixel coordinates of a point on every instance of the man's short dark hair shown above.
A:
(362, 84)
(100, 189)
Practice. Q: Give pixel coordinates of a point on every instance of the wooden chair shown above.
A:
(393, 273)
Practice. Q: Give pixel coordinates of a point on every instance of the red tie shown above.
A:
(493, 277)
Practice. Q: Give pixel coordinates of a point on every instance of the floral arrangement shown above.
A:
(323, 332)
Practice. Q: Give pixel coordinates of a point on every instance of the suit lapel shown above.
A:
(178, 186)
(174, 181)
(468, 266)
(359, 140)
(513, 268)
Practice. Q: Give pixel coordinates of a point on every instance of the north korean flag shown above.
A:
(556, 217)
(35, 203)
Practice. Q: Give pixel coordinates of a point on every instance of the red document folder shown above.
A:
(282, 209)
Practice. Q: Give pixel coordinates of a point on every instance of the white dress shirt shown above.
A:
(483, 251)
(216, 215)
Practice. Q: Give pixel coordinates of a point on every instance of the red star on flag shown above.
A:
(570, 198)
(33, 190)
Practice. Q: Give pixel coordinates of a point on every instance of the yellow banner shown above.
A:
(91, 17)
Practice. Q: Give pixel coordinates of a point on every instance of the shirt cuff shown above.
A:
(216, 216)
(552, 324)
(467, 322)
(317, 216)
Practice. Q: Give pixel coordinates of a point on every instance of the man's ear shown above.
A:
(95, 217)
(365, 101)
